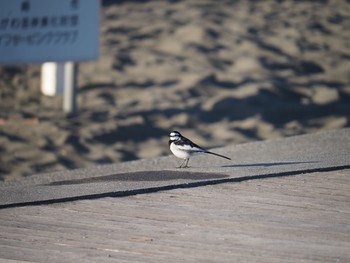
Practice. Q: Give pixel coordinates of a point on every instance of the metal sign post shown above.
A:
(52, 76)
(70, 80)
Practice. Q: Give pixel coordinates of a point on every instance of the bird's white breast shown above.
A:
(178, 152)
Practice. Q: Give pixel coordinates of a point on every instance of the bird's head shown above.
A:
(174, 136)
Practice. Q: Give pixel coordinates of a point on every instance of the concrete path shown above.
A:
(285, 200)
(309, 153)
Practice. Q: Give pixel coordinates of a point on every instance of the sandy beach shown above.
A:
(220, 73)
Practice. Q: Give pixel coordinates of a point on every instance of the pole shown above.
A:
(70, 83)
(52, 75)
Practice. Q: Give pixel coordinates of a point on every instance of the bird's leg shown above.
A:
(182, 163)
(186, 166)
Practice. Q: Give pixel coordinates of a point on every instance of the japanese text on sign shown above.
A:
(41, 25)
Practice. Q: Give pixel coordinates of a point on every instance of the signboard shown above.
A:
(35, 31)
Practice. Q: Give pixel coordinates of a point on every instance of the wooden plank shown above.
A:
(303, 218)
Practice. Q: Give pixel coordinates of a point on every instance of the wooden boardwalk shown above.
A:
(302, 218)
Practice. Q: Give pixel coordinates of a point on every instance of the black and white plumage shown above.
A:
(184, 148)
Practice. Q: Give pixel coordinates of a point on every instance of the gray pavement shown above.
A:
(324, 151)
(302, 218)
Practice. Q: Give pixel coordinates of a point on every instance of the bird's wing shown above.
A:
(187, 145)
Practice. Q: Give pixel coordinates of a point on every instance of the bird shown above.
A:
(184, 148)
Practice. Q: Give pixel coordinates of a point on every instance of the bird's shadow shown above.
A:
(164, 175)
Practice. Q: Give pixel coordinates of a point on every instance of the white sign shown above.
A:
(35, 31)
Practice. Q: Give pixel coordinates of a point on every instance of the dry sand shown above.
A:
(222, 73)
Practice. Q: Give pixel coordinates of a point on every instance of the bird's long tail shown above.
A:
(218, 155)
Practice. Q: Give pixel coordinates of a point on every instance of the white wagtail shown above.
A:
(183, 148)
